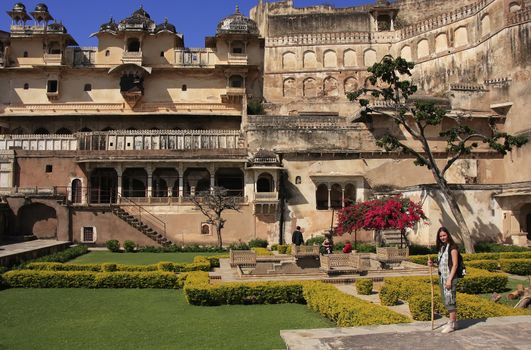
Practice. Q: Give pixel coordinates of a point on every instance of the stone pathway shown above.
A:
(17, 248)
(494, 333)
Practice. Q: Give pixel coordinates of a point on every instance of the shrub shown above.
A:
(262, 251)
(364, 248)
(52, 266)
(108, 267)
(129, 246)
(90, 279)
(317, 240)
(415, 249)
(489, 247)
(113, 245)
(239, 246)
(65, 255)
(389, 296)
(136, 268)
(347, 310)
(258, 243)
(212, 260)
(199, 291)
(274, 247)
(489, 265)
(516, 266)
(420, 306)
(364, 286)
(481, 281)
(284, 249)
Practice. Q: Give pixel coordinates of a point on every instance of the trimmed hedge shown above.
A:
(262, 251)
(481, 281)
(258, 243)
(468, 307)
(489, 265)
(423, 259)
(91, 279)
(347, 310)
(364, 286)
(520, 267)
(489, 247)
(201, 263)
(65, 255)
(199, 291)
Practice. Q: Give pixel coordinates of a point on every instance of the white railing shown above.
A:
(53, 59)
(39, 142)
(194, 58)
(265, 196)
(53, 107)
(188, 107)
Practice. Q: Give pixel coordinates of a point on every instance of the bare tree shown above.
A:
(414, 117)
(213, 203)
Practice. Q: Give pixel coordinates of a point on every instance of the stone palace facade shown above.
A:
(141, 123)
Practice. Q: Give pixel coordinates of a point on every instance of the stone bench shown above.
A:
(338, 263)
(392, 254)
(304, 250)
(242, 258)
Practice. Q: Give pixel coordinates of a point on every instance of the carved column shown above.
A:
(119, 172)
(181, 182)
(342, 197)
(329, 196)
(212, 170)
(149, 182)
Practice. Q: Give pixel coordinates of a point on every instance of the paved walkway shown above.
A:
(17, 248)
(494, 333)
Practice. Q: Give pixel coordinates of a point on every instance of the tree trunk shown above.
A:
(464, 232)
(218, 232)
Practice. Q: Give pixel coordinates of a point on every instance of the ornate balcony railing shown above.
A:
(239, 59)
(133, 57)
(53, 59)
(265, 196)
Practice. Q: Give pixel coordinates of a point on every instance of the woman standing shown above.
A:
(448, 277)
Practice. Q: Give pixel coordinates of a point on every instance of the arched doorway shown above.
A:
(336, 197)
(350, 194)
(163, 180)
(103, 186)
(134, 182)
(230, 179)
(321, 197)
(76, 191)
(196, 180)
(37, 219)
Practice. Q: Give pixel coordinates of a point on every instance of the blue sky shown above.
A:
(194, 18)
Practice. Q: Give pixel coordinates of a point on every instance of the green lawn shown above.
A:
(97, 257)
(141, 319)
(511, 286)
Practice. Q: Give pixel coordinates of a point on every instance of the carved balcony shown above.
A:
(53, 59)
(132, 57)
(238, 59)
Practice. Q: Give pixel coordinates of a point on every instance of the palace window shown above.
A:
(52, 86)
(107, 53)
(49, 168)
(25, 54)
(162, 54)
(88, 234)
(236, 81)
(87, 87)
(26, 86)
(184, 87)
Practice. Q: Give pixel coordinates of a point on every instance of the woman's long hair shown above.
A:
(451, 241)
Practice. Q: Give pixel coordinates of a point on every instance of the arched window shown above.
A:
(41, 131)
(309, 60)
(133, 45)
(321, 197)
(184, 87)
(330, 87)
(26, 86)
(309, 87)
(441, 43)
(63, 131)
(265, 183)
(369, 57)
(237, 47)
(298, 180)
(289, 89)
(25, 54)
(107, 53)
(423, 49)
(76, 191)
(336, 196)
(405, 53)
(461, 36)
(351, 84)
(485, 25)
(349, 58)
(236, 81)
(350, 194)
(87, 87)
(330, 59)
(289, 60)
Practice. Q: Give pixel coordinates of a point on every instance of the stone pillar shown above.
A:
(181, 182)
(329, 196)
(342, 197)
(212, 170)
(149, 181)
(119, 172)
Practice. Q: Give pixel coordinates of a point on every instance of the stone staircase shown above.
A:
(141, 226)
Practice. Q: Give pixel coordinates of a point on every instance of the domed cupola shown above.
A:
(41, 13)
(18, 13)
(165, 27)
(237, 23)
(139, 20)
(57, 27)
(110, 26)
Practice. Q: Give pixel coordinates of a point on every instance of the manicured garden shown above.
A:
(143, 319)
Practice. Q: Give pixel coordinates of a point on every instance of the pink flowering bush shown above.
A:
(395, 212)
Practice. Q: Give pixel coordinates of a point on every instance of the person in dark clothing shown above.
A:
(297, 238)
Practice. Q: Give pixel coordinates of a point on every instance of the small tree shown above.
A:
(212, 204)
(386, 83)
(388, 213)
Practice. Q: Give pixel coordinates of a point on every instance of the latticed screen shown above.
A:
(88, 234)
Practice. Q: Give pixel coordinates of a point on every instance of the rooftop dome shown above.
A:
(237, 24)
(57, 27)
(109, 26)
(140, 19)
(165, 26)
(41, 8)
(19, 7)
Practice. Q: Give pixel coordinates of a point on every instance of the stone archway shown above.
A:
(37, 219)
